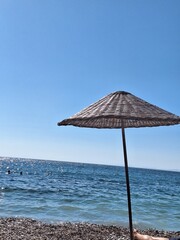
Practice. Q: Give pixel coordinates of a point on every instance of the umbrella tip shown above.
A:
(122, 92)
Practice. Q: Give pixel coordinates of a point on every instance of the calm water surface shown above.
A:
(55, 191)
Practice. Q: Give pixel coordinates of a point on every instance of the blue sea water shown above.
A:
(54, 191)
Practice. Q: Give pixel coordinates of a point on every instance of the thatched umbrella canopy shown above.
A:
(122, 110)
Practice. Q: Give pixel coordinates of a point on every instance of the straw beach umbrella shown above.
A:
(122, 110)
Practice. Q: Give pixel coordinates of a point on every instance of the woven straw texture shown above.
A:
(121, 109)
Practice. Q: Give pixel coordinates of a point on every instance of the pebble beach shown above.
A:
(30, 229)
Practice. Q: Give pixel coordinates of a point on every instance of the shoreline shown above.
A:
(30, 229)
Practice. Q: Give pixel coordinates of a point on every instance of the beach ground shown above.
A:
(29, 229)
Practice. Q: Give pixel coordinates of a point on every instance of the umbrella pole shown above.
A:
(127, 183)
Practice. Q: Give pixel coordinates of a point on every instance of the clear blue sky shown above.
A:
(59, 56)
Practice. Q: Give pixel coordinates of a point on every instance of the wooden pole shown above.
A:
(127, 183)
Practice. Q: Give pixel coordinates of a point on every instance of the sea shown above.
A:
(56, 192)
